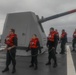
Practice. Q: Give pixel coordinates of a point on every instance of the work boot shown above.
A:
(55, 65)
(62, 53)
(5, 70)
(14, 70)
(36, 67)
(31, 65)
(48, 63)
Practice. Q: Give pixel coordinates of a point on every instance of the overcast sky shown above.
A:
(42, 8)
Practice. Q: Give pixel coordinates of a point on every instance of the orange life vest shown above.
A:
(33, 43)
(9, 39)
(51, 36)
(74, 34)
(63, 35)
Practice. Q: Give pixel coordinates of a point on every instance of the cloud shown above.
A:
(42, 8)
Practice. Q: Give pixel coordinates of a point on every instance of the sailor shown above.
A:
(51, 42)
(63, 41)
(57, 40)
(34, 46)
(74, 40)
(11, 44)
